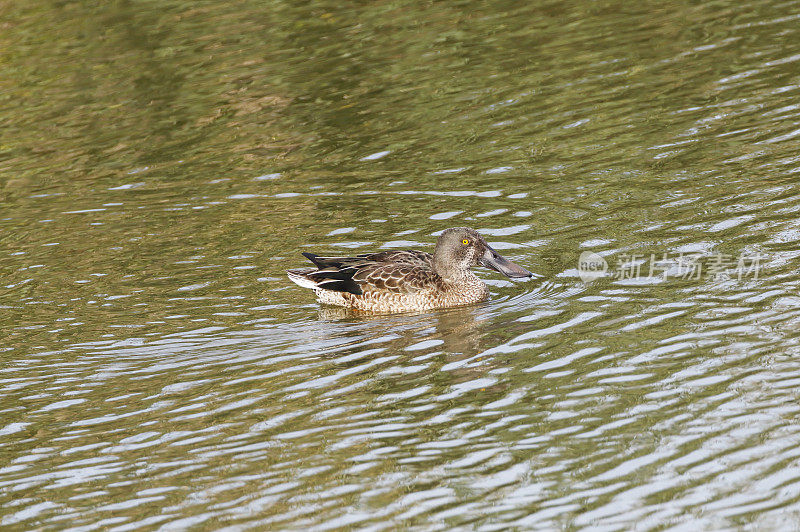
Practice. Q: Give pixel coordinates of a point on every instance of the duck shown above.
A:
(407, 280)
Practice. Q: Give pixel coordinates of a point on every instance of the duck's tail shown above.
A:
(300, 278)
(326, 279)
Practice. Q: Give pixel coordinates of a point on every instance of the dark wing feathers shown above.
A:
(324, 262)
(406, 258)
(337, 280)
(392, 271)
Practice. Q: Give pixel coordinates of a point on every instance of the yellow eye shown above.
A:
(465, 241)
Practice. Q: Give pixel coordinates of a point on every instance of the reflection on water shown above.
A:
(161, 168)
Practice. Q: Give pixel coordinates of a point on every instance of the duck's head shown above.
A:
(460, 248)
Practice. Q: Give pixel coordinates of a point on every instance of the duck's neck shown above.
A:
(456, 276)
(465, 287)
(449, 272)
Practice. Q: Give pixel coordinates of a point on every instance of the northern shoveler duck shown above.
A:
(395, 281)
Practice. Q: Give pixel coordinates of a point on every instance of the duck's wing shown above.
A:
(396, 278)
(388, 271)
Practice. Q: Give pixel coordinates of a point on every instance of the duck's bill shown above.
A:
(494, 260)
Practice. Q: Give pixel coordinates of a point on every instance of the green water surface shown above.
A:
(163, 163)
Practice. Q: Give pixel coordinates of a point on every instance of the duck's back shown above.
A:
(410, 257)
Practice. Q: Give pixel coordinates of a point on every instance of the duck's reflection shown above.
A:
(443, 337)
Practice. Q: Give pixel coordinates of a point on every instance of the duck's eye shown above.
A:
(465, 242)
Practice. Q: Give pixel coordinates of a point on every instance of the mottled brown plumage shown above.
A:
(392, 281)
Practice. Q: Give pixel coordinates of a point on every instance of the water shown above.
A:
(161, 166)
